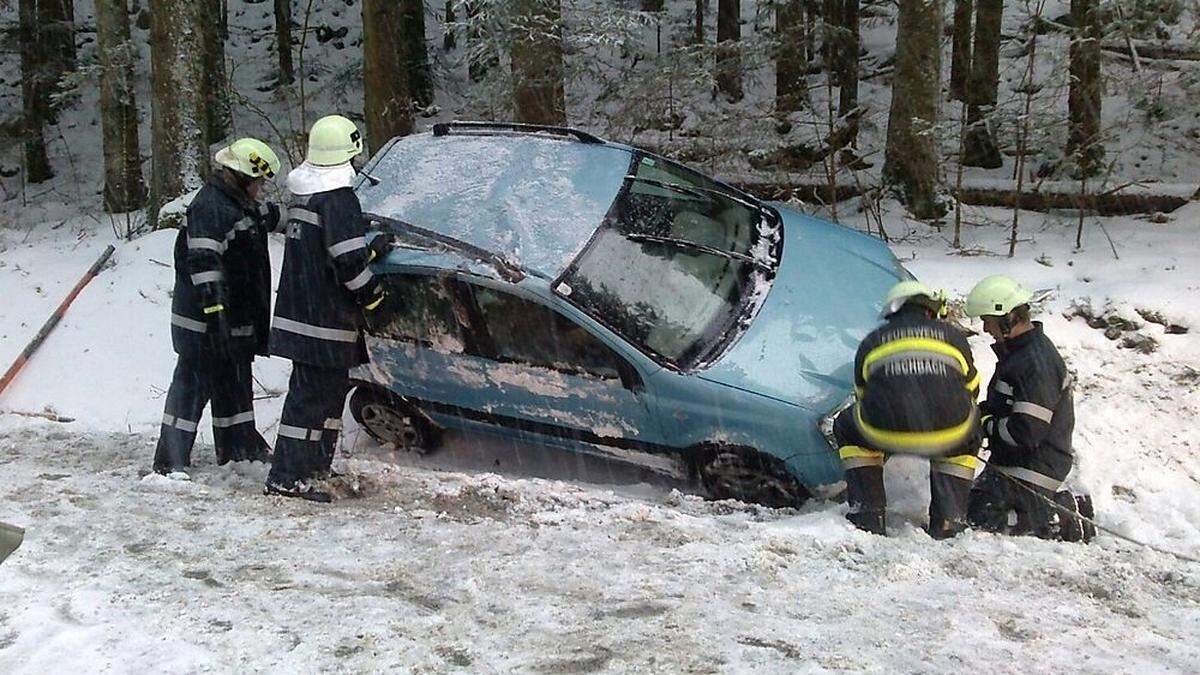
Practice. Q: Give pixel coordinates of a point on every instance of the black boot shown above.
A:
(1083, 504)
(867, 498)
(948, 496)
(297, 489)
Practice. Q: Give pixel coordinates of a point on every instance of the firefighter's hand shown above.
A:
(380, 245)
(988, 424)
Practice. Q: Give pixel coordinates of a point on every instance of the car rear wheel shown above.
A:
(749, 476)
(390, 419)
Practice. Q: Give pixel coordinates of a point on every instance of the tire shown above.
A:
(748, 475)
(389, 419)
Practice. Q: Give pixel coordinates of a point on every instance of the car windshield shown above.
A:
(678, 262)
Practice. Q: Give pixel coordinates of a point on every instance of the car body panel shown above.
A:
(824, 300)
(768, 391)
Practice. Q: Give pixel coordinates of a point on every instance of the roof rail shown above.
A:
(446, 128)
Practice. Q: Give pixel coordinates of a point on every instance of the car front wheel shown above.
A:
(749, 476)
(389, 419)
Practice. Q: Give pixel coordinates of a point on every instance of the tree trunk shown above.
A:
(57, 19)
(449, 42)
(653, 5)
(790, 87)
(283, 41)
(124, 189)
(729, 57)
(910, 158)
(847, 76)
(386, 100)
(179, 120)
(979, 147)
(216, 86)
(537, 62)
(698, 23)
(34, 93)
(960, 51)
(1083, 99)
(416, 52)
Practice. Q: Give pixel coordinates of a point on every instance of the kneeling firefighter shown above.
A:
(324, 288)
(1028, 418)
(915, 385)
(221, 310)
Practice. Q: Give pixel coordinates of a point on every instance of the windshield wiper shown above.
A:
(508, 270)
(704, 248)
(704, 193)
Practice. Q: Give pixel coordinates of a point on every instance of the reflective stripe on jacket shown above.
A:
(916, 384)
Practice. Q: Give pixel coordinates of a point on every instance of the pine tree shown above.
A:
(960, 50)
(979, 148)
(34, 93)
(216, 87)
(1086, 88)
(283, 41)
(729, 57)
(910, 156)
(537, 61)
(790, 88)
(847, 72)
(386, 100)
(124, 189)
(179, 120)
(415, 52)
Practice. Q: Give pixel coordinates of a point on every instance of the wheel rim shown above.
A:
(391, 426)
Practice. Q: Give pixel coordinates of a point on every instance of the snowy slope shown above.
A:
(443, 565)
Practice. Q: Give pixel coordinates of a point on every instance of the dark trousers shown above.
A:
(995, 497)
(312, 421)
(228, 384)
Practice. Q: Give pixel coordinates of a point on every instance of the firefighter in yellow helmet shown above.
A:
(325, 288)
(220, 310)
(915, 386)
(1028, 419)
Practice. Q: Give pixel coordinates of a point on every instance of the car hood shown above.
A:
(825, 298)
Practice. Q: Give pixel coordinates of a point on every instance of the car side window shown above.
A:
(424, 314)
(526, 332)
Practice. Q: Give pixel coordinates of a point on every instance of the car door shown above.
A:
(543, 373)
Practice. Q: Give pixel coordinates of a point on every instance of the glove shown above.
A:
(375, 301)
(380, 245)
(219, 336)
(272, 217)
(988, 424)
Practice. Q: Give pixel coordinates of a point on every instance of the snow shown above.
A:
(493, 558)
(562, 563)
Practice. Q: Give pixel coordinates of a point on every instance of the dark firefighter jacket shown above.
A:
(326, 279)
(221, 258)
(916, 385)
(1031, 409)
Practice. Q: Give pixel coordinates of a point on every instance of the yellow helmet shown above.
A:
(996, 295)
(249, 156)
(333, 140)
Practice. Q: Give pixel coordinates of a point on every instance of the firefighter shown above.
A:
(220, 311)
(1028, 419)
(915, 389)
(325, 287)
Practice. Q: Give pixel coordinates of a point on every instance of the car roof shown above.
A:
(531, 198)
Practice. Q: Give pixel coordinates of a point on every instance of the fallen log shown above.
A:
(1147, 49)
(1047, 196)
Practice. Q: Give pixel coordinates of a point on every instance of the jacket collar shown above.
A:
(221, 180)
(309, 179)
(1014, 345)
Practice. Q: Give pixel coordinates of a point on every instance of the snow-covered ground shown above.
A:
(493, 558)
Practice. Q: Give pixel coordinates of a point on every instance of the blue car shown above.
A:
(567, 291)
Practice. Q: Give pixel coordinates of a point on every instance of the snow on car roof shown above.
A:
(535, 200)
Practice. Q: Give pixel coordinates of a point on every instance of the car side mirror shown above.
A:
(630, 378)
